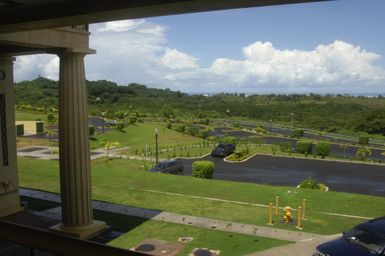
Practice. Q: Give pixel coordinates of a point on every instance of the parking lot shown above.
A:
(338, 176)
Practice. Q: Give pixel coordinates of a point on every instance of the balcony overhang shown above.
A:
(21, 15)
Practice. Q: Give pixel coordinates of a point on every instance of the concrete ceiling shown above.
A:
(20, 15)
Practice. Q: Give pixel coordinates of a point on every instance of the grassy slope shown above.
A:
(137, 136)
(122, 181)
(26, 116)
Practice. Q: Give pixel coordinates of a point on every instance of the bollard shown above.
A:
(303, 209)
(299, 218)
(270, 214)
(276, 205)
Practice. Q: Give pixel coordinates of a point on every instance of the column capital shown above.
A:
(7, 58)
(75, 51)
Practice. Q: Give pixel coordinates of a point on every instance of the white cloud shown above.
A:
(137, 51)
(175, 59)
(338, 64)
(31, 66)
(120, 26)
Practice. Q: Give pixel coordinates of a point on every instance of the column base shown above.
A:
(10, 211)
(83, 232)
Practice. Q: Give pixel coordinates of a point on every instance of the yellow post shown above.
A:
(303, 209)
(276, 205)
(299, 218)
(270, 214)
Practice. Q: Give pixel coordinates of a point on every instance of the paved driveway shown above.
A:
(346, 177)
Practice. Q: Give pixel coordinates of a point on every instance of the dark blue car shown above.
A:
(366, 239)
(223, 150)
(169, 166)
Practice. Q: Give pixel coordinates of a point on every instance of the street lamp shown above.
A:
(270, 121)
(156, 146)
(97, 111)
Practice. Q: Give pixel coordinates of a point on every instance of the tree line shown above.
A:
(332, 113)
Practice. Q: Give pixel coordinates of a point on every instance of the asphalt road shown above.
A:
(345, 177)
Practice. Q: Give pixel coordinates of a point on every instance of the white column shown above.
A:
(9, 196)
(74, 152)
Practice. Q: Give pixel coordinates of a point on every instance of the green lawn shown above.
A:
(137, 136)
(27, 116)
(138, 229)
(124, 182)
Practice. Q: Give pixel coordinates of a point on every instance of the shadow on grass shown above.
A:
(119, 222)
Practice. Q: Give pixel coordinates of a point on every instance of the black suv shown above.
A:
(170, 166)
(223, 150)
(366, 239)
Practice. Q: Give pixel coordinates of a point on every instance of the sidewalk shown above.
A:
(301, 238)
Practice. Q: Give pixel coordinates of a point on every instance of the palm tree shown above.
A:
(50, 133)
(107, 144)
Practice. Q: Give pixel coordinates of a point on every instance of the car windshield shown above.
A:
(366, 239)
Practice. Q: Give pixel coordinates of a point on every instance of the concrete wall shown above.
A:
(9, 196)
(31, 127)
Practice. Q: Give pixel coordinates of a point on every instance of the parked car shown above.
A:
(170, 166)
(223, 150)
(366, 239)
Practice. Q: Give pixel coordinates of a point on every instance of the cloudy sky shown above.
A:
(329, 47)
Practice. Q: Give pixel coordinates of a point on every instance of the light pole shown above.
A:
(97, 110)
(270, 121)
(156, 146)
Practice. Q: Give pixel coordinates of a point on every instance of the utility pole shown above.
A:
(156, 146)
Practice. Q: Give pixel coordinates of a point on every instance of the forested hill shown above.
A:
(329, 112)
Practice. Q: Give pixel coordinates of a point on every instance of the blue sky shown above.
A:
(326, 47)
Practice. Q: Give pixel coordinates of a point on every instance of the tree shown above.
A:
(323, 148)
(304, 147)
(107, 144)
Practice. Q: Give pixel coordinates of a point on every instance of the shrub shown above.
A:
(260, 130)
(203, 134)
(309, 183)
(169, 126)
(304, 147)
(51, 119)
(179, 128)
(298, 133)
(323, 148)
(229, 139)
(192, 130)
(363, 140)
(132, 119)
(285, 146)
(203, 169)
(120, 126)
(91, 130)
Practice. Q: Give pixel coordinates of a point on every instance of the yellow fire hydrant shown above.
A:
(287, 217)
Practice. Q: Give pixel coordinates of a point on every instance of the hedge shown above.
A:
(203, 169)
(298, 133)
(363, 140)
(304, 147)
